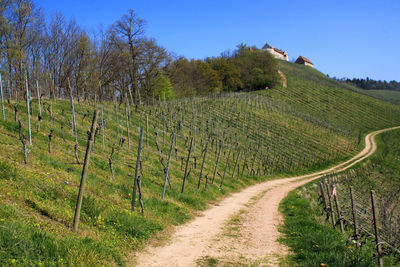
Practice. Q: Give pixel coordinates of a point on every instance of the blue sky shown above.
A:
(342, 38)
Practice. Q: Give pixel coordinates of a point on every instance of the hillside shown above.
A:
(251, 137)
(380, 173)
(385, 95)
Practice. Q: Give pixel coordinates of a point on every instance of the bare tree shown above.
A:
(152, 60)
(127, 33)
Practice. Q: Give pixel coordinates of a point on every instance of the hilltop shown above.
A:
(251, 137)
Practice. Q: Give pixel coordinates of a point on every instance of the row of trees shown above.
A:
(121, 60)
(370, 84)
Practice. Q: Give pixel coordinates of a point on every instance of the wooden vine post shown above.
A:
(168, 164)
(110, 162)
(338, 210)
(353, 209)
(51, 113)
(127, 119)
(147, 130)
(102, 123)
(216, 164)
(236, 162)
(23, 141)
(202, 165)
(321, 186)
(84, 173)
(50, 137)
(74, 123)
(2, 99)
(135, 182)
(116, 116)
(16, 112)
(226, 166)
(376, 231)
(29, 113)
(187, 165)
(39, 105)
(139, 184)
(331, 210)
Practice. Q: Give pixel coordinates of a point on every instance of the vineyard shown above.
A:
(192, 152)
(366, 199)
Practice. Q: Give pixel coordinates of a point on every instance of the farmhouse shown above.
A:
(277, 53)
(304, 61)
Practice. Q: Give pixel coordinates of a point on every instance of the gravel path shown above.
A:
(254, 239)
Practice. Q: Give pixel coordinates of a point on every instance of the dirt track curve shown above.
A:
(207, 235)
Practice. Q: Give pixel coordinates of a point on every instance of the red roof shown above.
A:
(304, 59)
(279, 51)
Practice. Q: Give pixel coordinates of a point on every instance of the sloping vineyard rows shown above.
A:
(271, 138)
(248, 136)
(317, 98)
(268, 134)
(248, 123)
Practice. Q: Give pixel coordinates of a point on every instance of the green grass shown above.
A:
(314, 243)
(28, 243)
(386, 95)
(312, 124)
(305, 226)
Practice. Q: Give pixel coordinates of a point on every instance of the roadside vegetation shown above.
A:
(311, 241)
(309, 233)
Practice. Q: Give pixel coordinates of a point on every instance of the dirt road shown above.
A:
(242, 228)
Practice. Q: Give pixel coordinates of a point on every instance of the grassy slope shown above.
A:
(312, 242)
(310, 125)
(381, 172)
(315, 242)
(329, 103)
(386, 95)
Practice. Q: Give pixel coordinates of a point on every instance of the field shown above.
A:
(385, 95)
(242, 138)
(380, 173)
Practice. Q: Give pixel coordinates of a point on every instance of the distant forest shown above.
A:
(369, 84)
(63, 59)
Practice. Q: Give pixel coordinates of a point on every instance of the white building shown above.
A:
(277, 53)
